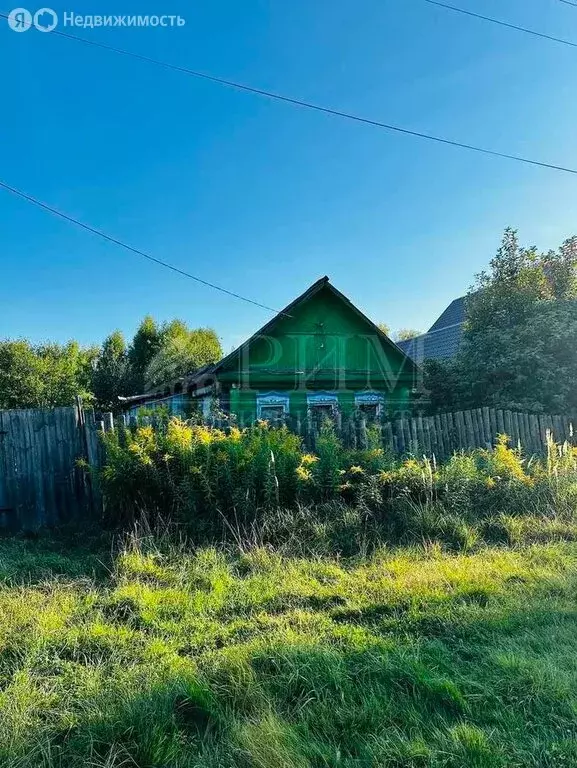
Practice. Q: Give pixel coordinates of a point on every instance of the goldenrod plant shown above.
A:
(243, 482)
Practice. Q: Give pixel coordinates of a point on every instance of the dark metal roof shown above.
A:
(437, 345)
(454, 314)
(443, 339)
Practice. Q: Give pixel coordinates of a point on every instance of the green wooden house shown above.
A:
(320, 356)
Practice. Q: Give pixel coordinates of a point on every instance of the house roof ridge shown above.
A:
(308, 293)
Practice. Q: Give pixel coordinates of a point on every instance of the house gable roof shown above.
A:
(307, 295)
(453, 315)
(443, 338)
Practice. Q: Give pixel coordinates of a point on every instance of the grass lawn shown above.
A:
(408, 658)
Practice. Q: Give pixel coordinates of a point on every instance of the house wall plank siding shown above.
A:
(324, 345)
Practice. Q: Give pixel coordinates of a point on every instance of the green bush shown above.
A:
(260, 485)
(198, 475)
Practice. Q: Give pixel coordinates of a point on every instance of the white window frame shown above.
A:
(370, 397)
(272, 399)
(322, 399)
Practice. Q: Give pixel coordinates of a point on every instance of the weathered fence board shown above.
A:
(40, 481)
(443, 434)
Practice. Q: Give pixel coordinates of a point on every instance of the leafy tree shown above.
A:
(111, 374)
(145, 344)
(182, 351)
(20, 375)
(442, 382)
(67, 372)
(520, 334)
(405, 334)
(45, 375)
(49, 375)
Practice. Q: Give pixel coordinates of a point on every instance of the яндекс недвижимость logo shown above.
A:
(21, 20)
(46, 19)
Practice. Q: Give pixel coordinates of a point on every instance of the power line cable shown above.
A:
(568, 2)
(130, 248)
(502, 23)
(312, 106)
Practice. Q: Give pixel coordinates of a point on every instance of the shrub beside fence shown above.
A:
(446, 433)
(261, 486)
(443, 434)
(45, 454)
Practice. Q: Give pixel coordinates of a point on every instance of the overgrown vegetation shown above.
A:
(52, 375)
(520, 335)
(296, 610)
(260, 484)
(409, 658)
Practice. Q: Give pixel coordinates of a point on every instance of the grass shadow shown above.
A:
(72, 554)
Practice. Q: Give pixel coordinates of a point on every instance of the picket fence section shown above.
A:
(44, 454)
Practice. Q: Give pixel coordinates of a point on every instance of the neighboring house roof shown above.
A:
(443, 338)
(453, 315)
(196, 378)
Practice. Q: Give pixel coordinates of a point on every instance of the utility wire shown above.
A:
(310, 105)
(504, 23)
(130, 248)
(568, 2)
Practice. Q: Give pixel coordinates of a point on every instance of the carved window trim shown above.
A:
(272, 399)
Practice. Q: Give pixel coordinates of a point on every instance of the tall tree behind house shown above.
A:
(520, 335)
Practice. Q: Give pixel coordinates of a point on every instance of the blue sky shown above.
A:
(264, 198)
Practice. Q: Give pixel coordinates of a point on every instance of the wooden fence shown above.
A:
(446, 433)
(443, 434)
(43, 484)
(440, 435)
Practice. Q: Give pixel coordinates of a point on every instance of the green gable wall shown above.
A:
(325, 344)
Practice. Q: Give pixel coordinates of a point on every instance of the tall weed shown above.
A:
(248, 483)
